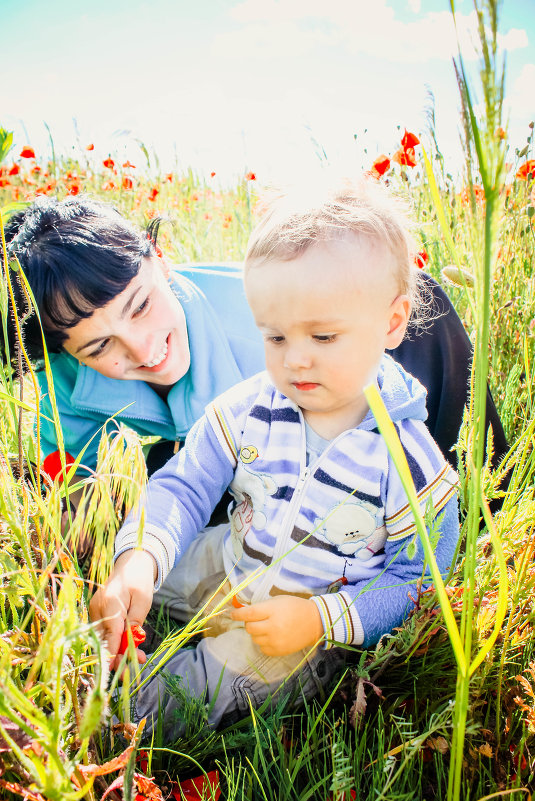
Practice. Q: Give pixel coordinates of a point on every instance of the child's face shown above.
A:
(326, 317)
(141, 334)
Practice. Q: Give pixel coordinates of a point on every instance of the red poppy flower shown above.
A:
(499, 133)
(90, 147)
(109, 163)
(52, 464)
(109, 186)
(27, 152)
(127, 182)
(528, 168)
(421, 259)
(153, 192)
(142, 759)
(169, 177)
(479, 194)
(198, 788)
(4, 182)
(127, 165)
(405, 157)
(36, 169)
(380, 165)
(74, 189)
(15, 169)
(409, 140)
(212, 174)
(250, 176)
(138, 636)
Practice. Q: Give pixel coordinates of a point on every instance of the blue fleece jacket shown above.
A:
(225, 348)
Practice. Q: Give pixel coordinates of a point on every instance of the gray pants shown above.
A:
(226, 665)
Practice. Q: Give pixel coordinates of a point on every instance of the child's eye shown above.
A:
(324, 337)
(100, 349)
(140, 309)
(275, 340)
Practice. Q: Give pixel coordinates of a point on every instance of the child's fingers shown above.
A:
(257, 628)
(250, 613)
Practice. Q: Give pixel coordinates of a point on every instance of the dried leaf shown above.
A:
(13, 731)
(118, 763)
(117, 784)
(439, 744)
(148, 788)
(358, 707)
(18, 789)
(486, 750)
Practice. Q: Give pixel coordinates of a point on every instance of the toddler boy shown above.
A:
(315, 552)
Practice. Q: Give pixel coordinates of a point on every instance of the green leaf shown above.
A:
(6, 143)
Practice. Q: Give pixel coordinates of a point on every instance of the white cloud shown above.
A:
(523, 86)
(519, 100)
(360, 27)
(514, 39)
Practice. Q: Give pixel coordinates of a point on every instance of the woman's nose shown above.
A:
(139, 349)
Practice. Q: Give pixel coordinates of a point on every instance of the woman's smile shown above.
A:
(156, 363)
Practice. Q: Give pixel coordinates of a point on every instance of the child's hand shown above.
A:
(282, 625)
(126, 594)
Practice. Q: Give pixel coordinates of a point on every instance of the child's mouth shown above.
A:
(304, 386)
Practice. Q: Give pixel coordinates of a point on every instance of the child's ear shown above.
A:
(400, 311)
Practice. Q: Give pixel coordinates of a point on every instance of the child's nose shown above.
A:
(296, 357)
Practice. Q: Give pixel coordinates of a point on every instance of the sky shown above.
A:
(278, 87)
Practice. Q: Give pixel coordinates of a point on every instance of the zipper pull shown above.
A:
(301, 480)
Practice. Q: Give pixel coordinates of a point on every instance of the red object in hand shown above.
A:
(52, 464)
(138, 636)
(235, 603)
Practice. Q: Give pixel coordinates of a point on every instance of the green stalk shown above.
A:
(388, 431)
(480, 370)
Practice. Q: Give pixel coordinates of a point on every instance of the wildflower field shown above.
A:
(442, 709)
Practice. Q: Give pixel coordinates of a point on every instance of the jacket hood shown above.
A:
(403, 395)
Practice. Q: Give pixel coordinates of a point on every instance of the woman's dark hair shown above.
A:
(77, 255)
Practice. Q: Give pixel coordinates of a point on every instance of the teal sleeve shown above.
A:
(77, 430)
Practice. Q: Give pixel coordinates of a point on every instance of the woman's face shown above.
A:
(141, 334)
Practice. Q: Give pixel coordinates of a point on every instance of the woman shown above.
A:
(130, 338)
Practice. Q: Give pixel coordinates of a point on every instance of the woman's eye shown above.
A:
(100, 349)
(140, 309)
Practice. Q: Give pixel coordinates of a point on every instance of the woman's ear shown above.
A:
(163, 264)
(400, 311)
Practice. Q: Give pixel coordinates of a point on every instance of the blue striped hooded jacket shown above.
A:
(336, 530)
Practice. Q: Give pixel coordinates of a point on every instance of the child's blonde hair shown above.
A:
(293, 222)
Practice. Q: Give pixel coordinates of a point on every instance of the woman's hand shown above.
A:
(282, 625)
(126, 594)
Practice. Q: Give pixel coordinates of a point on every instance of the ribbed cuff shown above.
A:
(158, 544)
(341, 621)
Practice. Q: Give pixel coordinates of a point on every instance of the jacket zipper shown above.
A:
(284, 542)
